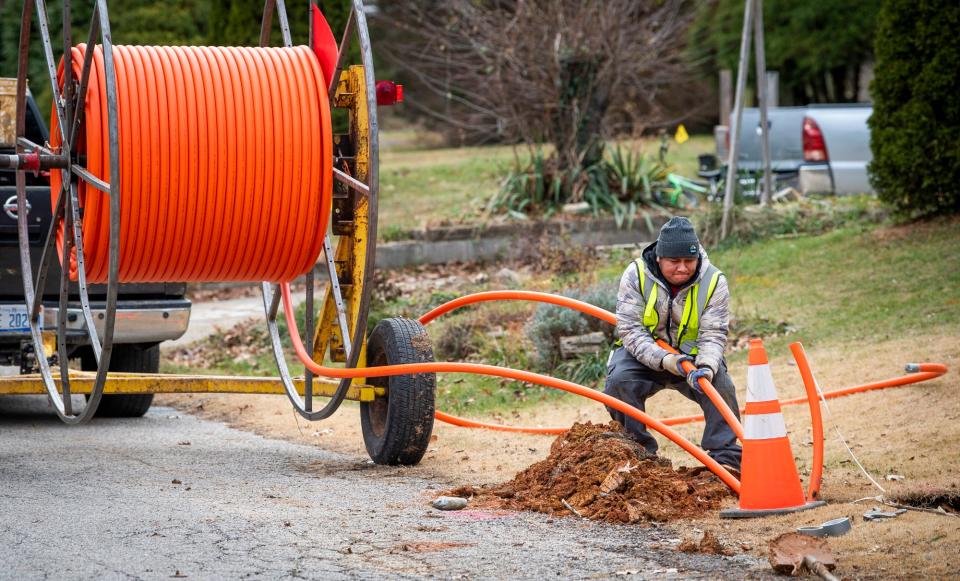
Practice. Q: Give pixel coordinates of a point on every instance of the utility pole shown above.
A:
(761, 78)
(752, 17)
(737, 119)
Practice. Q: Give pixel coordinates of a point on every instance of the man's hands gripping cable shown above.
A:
(693, 378)
(674, 363)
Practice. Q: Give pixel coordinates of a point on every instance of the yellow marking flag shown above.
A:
(681, 136)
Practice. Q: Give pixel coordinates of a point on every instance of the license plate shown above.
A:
(14, 319)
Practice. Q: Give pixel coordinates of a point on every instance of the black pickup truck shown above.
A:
(147, 314)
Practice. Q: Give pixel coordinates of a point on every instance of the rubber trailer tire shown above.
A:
(132, 358)
(397, 427)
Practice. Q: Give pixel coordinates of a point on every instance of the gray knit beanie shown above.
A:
(678, 239)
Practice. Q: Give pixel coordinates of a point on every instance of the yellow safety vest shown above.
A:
(689, 328)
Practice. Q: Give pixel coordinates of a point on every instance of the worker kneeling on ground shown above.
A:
(672, 292)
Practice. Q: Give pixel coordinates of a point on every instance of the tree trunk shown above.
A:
(583, 106)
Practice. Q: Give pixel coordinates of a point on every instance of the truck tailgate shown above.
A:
(847, 137)
(786, 143)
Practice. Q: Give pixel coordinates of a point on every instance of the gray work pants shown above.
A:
(633, 382)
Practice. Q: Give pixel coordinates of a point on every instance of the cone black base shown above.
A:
(755, 513)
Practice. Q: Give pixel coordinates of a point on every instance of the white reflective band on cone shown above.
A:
(760, 384)
(763, 426)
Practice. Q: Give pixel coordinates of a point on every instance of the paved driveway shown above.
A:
(173, 496)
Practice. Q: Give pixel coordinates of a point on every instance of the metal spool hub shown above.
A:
(66, 159)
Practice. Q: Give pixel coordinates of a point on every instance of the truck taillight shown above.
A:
(814, 148)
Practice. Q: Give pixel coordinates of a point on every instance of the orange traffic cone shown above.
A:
(769, 483)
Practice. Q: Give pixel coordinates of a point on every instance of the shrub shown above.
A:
(915, 127)
(586, 369)
(550, 322)
(538, 187)
(618, 184)
(459, 339)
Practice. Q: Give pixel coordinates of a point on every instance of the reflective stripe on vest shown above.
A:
(689, 328)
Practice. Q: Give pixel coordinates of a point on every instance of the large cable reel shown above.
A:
(355, 159)
(65, 159)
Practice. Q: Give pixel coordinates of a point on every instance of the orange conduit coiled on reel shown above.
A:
(226, 163)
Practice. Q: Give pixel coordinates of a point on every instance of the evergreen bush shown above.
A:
(915, 127)
(550, 322)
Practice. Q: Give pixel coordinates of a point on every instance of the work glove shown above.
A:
(694, 376)
(674, 363)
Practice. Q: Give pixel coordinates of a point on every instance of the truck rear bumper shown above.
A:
(816, 179)
(136, 321)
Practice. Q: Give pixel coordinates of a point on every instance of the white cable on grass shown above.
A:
(842, 439)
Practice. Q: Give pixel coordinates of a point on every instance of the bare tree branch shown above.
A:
(572, 73)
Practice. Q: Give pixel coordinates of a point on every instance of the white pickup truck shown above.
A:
(817, 148)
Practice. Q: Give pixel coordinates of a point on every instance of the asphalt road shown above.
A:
(172, 496)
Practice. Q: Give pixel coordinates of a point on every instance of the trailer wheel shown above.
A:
(132, 358)
(397, 427)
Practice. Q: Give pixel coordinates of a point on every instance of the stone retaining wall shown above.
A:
(503, 241)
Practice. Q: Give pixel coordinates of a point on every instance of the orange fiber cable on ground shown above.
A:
(516, 374)
(226, 163)
(917, 372)
(816, 420)
(587, 308)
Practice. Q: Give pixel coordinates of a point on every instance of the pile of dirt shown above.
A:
(596, 471)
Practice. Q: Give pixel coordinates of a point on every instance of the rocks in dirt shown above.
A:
(449, 503)
(603, 474)
(786, 553)
(588, 344)
(876, 513)
(709, 544)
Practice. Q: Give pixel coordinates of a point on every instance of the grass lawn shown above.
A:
(853, 285)
(427, 186)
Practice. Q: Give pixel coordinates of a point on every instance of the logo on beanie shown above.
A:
(693, 249)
